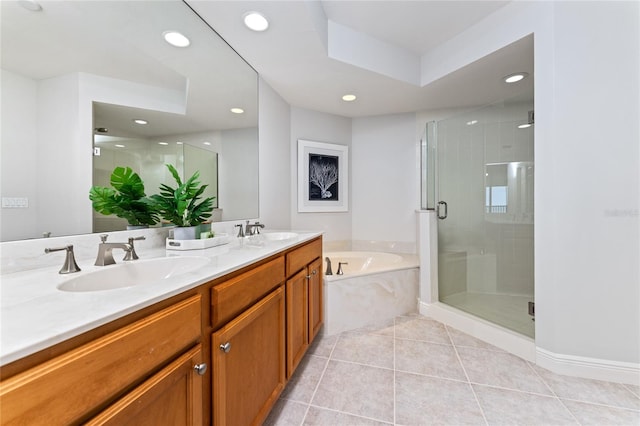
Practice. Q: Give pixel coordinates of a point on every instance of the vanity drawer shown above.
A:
(71, 386)
(300, 257)
(237, 294)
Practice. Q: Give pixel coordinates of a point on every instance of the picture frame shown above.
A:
(323, 177)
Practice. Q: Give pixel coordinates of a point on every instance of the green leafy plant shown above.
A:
(126, 198)
(181, 205)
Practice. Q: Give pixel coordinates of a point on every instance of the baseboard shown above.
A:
(591, 368)
(524, 347)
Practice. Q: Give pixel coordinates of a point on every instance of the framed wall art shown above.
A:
(323, 177)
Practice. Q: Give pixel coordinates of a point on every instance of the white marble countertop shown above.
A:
(35, 314)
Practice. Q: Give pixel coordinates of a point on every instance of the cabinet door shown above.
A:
(315, 298)
(248, 358)
(297, 319)
(173, 396)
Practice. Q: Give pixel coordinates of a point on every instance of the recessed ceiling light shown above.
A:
(255, 21)
(237, 110)
(163, 143)
(140, 121)
(524, 126)
(176, 39)
(349, 98)
(119, 145)
(178, 143)
(31, 5)
(513, 78)
(472, 122)
(206, 143)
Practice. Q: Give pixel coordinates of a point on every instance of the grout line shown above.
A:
(313, 394)
(627, 387)
(333, 410)
(552, 391)
(464, 370)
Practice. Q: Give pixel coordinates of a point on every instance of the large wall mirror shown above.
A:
(75, 76)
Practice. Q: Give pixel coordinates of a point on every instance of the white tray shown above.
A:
(218, 240)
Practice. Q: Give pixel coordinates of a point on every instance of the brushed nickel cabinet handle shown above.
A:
(226, 347)
(200, 369)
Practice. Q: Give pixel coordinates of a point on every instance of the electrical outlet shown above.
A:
(15, 202)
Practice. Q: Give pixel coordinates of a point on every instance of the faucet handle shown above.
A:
(103, 237)
(131, 254)
(240, 230)
(70, 264)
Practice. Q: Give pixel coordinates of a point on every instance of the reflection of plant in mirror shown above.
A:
(180, 205)
(126, 199)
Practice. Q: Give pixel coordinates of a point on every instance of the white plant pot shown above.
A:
(186, 232)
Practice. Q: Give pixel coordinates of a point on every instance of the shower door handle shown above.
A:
(446, 209)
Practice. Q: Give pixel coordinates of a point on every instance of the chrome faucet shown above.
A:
(328, 271)
(240, 230)
(70, 264)
(340, 272)
(253, 228)
(105, 257)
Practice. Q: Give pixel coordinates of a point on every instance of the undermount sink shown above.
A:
(279, 236)
(133, 273)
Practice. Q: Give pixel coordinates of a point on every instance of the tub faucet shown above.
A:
(328, 271)
(340, 272)
(105, 257)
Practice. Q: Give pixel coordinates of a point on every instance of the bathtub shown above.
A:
(375, 288)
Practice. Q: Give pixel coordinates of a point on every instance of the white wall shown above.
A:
(18, 140)
(385, 178)
(275, 168)
(587, 231)
(319, 127)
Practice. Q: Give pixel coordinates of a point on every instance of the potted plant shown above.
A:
(126, 199)
(183, 205)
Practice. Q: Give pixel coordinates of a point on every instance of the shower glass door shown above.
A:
(485, 209)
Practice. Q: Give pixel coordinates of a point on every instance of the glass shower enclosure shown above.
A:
(482, 164)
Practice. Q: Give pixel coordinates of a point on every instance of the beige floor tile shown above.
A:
(286, 413)
(506, 407)
(305, 379)
(635, 389)
(598, 415)
(365, 348)
(587, 390)
(321, 417)
(422, 400)
(432, 359)
(500, 369)
(421, 328)
(323, 345)
(357, 389)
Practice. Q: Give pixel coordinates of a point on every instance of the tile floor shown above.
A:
(417, 371)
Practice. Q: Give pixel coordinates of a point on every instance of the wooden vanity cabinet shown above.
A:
(304, 300)
(77, 385)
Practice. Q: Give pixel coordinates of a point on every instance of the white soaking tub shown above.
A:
(375, 288)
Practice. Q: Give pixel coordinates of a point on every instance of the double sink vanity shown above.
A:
(195, 337)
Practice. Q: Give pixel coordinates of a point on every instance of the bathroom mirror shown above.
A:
(75, 66)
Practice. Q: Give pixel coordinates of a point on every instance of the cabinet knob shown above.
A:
(200, 369)
(226, 347)
(312, 273)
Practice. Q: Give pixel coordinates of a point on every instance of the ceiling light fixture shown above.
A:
(176, 39)
(119, 145)
(163, 143)
(206, 143)
(237, 110)
(255, 21)
(178, 143)
(472, 122)
(140, 121)
(524, 126)
(514, 78)
(349, 98)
